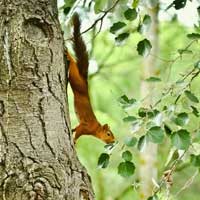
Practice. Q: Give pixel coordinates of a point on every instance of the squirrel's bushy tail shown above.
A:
(80, 48)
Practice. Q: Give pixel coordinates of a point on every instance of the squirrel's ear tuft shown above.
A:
(105, 127)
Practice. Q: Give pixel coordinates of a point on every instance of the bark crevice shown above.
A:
(43, 126)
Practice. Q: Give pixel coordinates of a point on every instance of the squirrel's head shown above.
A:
(106, 134)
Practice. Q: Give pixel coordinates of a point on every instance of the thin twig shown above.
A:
(92, 42)
(179, 57)
(101, 18)
(188, 183)
(188, 84)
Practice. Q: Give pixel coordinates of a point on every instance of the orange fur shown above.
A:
(78, 72)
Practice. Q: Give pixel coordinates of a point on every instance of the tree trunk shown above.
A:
(37, 156)
(148, 157)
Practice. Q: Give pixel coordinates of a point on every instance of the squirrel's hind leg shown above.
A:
(79, 130)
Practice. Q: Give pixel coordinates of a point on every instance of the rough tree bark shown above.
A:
(148, 157)
(37, 156)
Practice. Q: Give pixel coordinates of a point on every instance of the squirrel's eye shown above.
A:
(108, 134)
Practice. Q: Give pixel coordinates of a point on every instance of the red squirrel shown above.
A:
(78, 73)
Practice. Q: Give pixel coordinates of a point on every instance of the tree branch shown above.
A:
(100, 19)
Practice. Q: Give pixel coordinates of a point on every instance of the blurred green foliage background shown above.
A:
(122, 76)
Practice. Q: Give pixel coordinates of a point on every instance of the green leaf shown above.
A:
(140, 28)
(147, 20)
(66, 10)
(129, 119)
(191, 96)
(193, 36)
(153, 79)
(154, 197)
(152, 113)
(144, 25)
(197, 65)
(195, 160)
(168, 131)
(141, 143)
(125, 101)
(103, 160)
(144, 47)
(155, 134)
(195, 111)
(178, 4)
(126, 169)
(130, 14)
(181, 139)
(135, 3)
(142, 112)
(116, 26)
(68, 3)
(127, 155)
(121, 37)
(165, 108)
(181, 119)
(130, 141)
